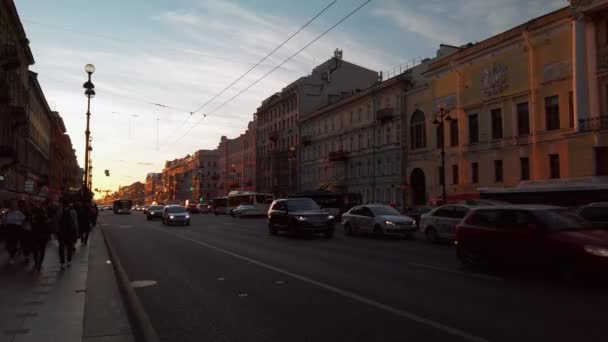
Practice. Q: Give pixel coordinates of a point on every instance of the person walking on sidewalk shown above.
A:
(25, 233)
(67, 234)
(13, 220)
(41, 234)
(84, 221)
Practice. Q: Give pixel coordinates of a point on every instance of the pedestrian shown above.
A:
(41, 234)
(13, 219)
(25, 233)
(94, 215)
(84, 221)
(67, 234)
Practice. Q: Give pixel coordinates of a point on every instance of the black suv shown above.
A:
(299, 215)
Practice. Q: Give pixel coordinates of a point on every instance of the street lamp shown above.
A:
(442, 116)
(89, 93)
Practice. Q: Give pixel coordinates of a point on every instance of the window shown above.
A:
(498, 177)
(524, 168)
(454, 133)
(496, 115)
(552, 112)
(439, 135)
(523, 119)
(440, 172)
(571, 109)
(474, 173)
(454, 174)
(554, 166)
(473, 128)
(417, 130)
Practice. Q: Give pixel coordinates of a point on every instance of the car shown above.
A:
(538, 236)
(203, 208)
(145, 209)
(416, 212)
(596, 213)
(379, 220)
(247, 210)
(299, 215)
(192, 208)
(440, 223)
(155, 211)
(175, 214)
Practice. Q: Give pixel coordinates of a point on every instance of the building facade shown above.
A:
(15, 59)
(38, 138)
(63, 166)
(153, 187)
(135, 192)
(516, 116)
(276, 120)
(236, 160)
(192, 178)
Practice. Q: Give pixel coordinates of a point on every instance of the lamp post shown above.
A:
(90, 93)
(442, 116)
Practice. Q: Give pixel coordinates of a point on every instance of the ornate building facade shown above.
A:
(236, 160)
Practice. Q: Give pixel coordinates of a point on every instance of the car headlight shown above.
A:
(330, 217)
(300, 218)
(389, 223)
(187, 216)
(413, 222)
(171, 217)
(151, 213)
(597, 250)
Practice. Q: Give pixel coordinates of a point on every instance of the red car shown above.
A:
(532, 236)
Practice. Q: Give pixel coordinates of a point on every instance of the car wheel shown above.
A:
(378, 230)
(272, 230)
(468, 258)
(348, 229)
(329, 234)
(431, 235)
(293, 230)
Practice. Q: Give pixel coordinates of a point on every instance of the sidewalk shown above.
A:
(55, 305)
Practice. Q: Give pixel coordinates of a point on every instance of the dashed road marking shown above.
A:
(143, 283)
(345, 293)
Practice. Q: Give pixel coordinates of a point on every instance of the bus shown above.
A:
(336, 203)
(122, 206)
(219, 205)
(260, 201)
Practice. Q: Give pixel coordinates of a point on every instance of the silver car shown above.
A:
(176, 214)
(378, 219)
(247, 210)
(440, 223)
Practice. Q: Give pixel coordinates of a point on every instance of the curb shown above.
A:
(142, 326)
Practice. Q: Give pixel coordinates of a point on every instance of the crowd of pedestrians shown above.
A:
(27, 227)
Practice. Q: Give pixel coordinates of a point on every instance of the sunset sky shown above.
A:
(181, 53)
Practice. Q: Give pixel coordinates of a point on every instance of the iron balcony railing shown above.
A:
(595, 123)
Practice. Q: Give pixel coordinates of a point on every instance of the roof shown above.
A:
(14, 15)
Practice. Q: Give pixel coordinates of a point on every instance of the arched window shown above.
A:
(418, 130)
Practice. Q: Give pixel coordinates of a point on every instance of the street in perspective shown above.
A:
(326, 170)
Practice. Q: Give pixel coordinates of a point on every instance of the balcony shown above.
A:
(596, 123)
(522, 140)
(385, 114)
(338, 156)
(305, 139)
(273, 136)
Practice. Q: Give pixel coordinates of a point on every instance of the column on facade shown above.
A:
(593, 86)
(580, 86)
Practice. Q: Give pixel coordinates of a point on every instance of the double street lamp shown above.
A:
(442, 116)
(89, 93)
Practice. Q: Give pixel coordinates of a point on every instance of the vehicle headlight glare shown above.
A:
(172, 217)
(330, 217)
(300, 218)
(597, 250)
(187, 216)
(389, 223)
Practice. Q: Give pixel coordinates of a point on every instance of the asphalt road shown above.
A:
(226, 279)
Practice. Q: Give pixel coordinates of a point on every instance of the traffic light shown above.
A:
(191, 188)
(200, 199)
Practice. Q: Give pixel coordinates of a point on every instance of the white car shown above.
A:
(378, 219)
(440, 223)
(248, 210)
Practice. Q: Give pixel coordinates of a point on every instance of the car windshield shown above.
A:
(156, 207)
(302, 204)
(595, 214)
(176, 210)
(561, 220)
(384, 210)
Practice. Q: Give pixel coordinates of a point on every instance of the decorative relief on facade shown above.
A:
(494, 79)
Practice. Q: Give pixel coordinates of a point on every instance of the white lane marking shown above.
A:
(143, 283)
(344, 293)
(447, 270)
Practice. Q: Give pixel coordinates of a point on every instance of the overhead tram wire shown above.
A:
(254, 66)
(275, 68)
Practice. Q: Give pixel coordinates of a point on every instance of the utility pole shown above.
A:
(374, 110)
(89, 92)
(157, 119)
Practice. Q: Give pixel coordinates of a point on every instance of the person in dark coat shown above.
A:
(41, 234)
(67, 233)
(84, 222)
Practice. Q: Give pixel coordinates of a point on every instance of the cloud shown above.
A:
(145, 163)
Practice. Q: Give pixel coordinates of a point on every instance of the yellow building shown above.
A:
(522, 110)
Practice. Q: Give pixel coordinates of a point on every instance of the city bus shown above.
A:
(260, 201)
(336, 203)
(122, 206)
